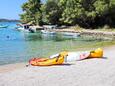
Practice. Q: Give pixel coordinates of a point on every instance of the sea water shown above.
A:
(16, 46)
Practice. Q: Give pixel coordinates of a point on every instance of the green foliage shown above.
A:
(72, 11)
(32, 12)
(52, 11)
(101, 7)
(86, 13)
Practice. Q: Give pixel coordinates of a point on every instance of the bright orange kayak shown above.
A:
(49, 61)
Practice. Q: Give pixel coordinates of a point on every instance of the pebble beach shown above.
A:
(89, 72)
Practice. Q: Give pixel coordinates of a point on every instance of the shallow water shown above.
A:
(18, 46)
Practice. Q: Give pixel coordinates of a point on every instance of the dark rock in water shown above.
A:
(7, 36)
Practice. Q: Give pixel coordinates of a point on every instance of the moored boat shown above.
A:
(70, 34)
(26, 28)
(3, 26)
(48, 32)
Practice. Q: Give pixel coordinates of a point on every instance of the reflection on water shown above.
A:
(46, 37)
(17, 46)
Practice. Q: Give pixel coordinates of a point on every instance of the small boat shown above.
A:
(70, 34)
(48, 32)
(3, 26)
(26, 29)
(21, 29)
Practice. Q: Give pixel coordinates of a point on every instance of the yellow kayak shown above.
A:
(48, 62)
(98, 53)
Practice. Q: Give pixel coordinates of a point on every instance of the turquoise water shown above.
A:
(18, 46)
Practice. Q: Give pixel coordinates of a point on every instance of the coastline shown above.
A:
(94, 72)
(10, 67)
(15, 66)
(98, 34)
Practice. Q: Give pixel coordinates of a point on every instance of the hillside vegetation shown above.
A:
(85, 13)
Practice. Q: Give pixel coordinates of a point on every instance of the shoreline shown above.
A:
(10, 67)
(14, 66)
(105, 35)
(94, 72)
(89, 72)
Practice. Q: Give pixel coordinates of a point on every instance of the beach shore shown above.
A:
(104, 34)
(89, 72)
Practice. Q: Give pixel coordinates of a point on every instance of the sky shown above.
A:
(10, 9)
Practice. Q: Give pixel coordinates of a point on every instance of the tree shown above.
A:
(32, 12)
(52, 12)
(86, 13)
